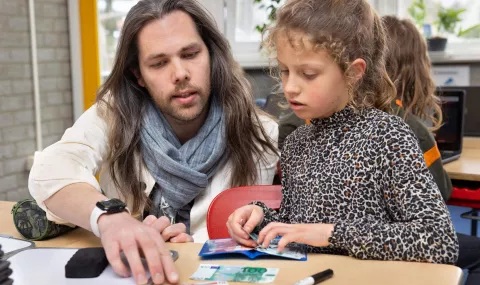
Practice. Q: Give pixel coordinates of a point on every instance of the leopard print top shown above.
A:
(364, 172)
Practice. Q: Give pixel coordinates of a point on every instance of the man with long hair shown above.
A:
(174, 125)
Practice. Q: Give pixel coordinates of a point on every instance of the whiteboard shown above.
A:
(46, 266)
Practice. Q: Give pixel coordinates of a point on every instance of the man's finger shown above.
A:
(160, 224)
(130, 249)
(167, 262)
(149, 220)
(173, 231)
(112, 251)
(183, 237)
(150, 251)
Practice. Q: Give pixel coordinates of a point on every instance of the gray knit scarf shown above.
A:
(181, 171)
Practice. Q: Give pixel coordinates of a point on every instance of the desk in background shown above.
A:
(347, 270)
(467, 170)
(467, 167)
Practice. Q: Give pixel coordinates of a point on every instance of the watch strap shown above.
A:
(95, 215)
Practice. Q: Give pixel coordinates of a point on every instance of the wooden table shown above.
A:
(347, 270)
(467, 167)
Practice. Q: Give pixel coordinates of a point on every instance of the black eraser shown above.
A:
(86, 263)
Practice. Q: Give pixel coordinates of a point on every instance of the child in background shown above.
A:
(354, 180)
(408, 65)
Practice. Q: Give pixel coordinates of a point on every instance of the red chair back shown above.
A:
(465, 197)
(231, 199)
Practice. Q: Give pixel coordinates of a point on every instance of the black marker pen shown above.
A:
(316, 278)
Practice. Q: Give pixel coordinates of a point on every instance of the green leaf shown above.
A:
(418, 12)
(475, 28)
(270, 10)
(448, 19)
(271, 15)
(261, 28)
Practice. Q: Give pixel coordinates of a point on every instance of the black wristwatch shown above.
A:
(109, 206)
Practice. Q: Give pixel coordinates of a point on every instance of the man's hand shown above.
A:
(173, 233)
(121, 232)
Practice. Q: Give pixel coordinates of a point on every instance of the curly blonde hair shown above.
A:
(408, 65)
(347, 30)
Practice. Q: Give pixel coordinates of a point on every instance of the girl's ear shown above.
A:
(357, 69)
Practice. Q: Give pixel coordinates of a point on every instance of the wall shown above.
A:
(17, 117)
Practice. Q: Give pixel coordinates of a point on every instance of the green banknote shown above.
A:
(150, 282)
(213, 272)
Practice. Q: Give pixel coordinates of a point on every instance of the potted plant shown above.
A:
(446, 24)
(447, 21)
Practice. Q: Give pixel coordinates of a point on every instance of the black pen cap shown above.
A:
(319, 277)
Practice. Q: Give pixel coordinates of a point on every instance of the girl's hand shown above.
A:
(242, 222)
(311, 234)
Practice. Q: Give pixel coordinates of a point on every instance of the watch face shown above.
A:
(111, 206)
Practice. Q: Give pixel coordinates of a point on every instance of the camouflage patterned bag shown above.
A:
(32, 223)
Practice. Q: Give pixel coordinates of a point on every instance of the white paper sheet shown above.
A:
(46, 266)
(12, 244)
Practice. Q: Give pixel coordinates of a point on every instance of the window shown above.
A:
(242, 16)
(111, 14)
(461, 47)
(464, 47)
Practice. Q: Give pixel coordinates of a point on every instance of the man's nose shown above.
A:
(180, 72)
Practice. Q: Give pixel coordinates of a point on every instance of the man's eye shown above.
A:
(159, 64)
(190, 54)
